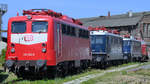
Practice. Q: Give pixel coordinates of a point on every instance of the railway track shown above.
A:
(88, 77)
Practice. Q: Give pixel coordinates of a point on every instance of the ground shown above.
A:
(140, 75)
(122, 74)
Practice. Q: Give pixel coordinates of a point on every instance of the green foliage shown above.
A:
(2, 57)
(124, 72)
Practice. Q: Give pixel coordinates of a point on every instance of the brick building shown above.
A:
(135, 24)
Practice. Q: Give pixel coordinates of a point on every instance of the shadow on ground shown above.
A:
(3, 76)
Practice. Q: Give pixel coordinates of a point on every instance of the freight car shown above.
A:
(132, 49)
(106, 47)
(43, 42)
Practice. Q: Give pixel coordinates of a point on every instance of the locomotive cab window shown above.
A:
(98, 40)
(18, 27)
(39, 26)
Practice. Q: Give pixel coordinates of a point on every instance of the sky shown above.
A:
(75, 8)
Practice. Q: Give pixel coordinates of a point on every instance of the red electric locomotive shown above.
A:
(42, 41)
(144, 51)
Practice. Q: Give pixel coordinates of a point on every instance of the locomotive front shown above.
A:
(30, 44)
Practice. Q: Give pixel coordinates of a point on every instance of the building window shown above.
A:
(148, 28)
(144, 28)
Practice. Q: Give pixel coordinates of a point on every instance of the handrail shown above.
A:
(3, 31)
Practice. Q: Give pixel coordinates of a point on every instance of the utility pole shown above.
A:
(3, 10)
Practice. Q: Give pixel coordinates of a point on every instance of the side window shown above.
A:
(64, 29)
(87, 34)
(73, 31)
(68, 29)
(83, 33)
(111, 39)
(80, 32)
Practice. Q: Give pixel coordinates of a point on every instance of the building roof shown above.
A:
(114, 20)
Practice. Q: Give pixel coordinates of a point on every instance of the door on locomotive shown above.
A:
(59, 40)
(127, 49)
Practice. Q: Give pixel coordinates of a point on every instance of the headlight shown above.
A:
(43, 44)
(12, 45)
(126, 52)
(40, 63)
(12, 50)
(98, 59)
(43, 50)
(29, 17)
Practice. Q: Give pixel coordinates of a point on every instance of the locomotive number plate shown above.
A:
(29, 54)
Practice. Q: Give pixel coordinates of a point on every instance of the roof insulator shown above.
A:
(51, 13)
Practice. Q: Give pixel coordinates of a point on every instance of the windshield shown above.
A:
(98, 39)
(39, 26)
(18, 27)
(126, 42)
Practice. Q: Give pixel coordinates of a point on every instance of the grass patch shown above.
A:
(2, 57)
(12, 78)
(123, 77)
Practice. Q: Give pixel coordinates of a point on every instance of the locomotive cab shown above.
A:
(30, 43)
(132, 49)
(106, 47)
(27, 45)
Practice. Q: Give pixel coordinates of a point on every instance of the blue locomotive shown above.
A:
(106, 47)
(132, 49)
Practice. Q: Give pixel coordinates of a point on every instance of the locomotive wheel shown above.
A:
(61, 71)
(104, 65)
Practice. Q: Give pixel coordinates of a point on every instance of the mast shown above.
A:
(3, 10)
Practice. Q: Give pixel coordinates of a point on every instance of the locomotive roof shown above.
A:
(132, 39)
(103, 33)
(45, 17)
